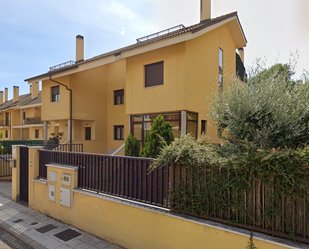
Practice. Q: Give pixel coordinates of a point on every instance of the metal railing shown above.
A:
(5, 122)
(33, 120)
(70, 147)
(163, 32)
(125, 177)
(64, 64)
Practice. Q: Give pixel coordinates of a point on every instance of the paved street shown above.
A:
(7, 241)
(39, 231)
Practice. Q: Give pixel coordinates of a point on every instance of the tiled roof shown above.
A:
(24, 100)
(194, 28)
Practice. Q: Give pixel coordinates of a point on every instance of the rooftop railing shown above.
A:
(160, 33)
(64, 64)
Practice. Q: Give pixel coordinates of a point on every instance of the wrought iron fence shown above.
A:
(126, 177)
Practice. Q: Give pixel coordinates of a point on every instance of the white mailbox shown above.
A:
(65, 197)
(66, 179)
(52, 176)
(51, 192)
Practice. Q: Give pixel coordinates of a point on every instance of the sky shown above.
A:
(38, 34)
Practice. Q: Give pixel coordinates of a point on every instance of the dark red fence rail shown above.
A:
(126, 177)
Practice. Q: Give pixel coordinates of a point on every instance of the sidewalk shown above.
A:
(40, 231)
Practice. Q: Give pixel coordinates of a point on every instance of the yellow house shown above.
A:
(20, 117)
(99, 101)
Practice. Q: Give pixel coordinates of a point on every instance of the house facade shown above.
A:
(20, 117)
(99, 101)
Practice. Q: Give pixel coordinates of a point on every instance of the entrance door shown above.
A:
(24, 174)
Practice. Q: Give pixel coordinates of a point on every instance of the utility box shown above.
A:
(65, 197)
(51, 193)
(66, 179)
(52, 176)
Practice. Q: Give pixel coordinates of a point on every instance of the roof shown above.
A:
(24, 100)
(193, 29)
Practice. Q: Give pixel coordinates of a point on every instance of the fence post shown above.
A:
(15, 173)
(33, 170)
(171, 185)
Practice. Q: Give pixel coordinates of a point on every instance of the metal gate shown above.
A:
(24, 174)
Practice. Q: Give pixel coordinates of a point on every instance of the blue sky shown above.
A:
(36, 34)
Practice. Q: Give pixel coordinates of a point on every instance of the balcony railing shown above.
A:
(33, 120)
(65, 64)
(5, 122)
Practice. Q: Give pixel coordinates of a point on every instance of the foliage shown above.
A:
(211, 179)
(160, 134)
(54, 139)
(251, 243)
(270, 111)
(132, 146)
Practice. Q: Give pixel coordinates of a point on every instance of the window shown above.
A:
(203, 127)
(220, 76)
(119, 97)
(192, 124)
(154, 74)
(7, 134)
(119, 132)
(140, 124)
(37, 133)
(87, 133)
(24, 115)
(55, 94)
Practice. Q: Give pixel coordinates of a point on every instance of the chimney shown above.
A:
(205, 10)
(241, 53)
(34, 90)
(6, 94)
(1, 97)
(79, 48)
(15, 94)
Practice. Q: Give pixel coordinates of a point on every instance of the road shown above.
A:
(7, 241)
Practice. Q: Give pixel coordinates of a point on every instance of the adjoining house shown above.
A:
(20, 117)
(99, 101)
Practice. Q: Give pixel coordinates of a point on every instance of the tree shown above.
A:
(132, 146)
(270, 111)
(160, 131)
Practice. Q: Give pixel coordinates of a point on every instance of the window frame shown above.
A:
(116, 128)
(152, 75)
(55, 97)
(36, 133)
(203, 127)
(220, 69)
(87, 133)
(119, 93)
(192, 121)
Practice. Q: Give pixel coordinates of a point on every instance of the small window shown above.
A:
(154, 74)
(24, 115)
(220, 75)
(37, 133)
(119, 97)
(119, 132)
(87, 133)
(192, 119)
(7, 134)
(55, 94)
(203, 127)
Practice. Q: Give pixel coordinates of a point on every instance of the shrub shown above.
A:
(161, 134)
(132, 146)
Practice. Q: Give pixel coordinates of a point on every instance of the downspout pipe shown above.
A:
(71, 107)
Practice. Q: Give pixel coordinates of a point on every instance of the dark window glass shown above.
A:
(119, 97)
(7, 134)
(203, 127)
(140, 124)
(87, 133)
(220, 76)
(24, 115)
(192, 124)
(154, 74)
(37, 133)
(55, 94)
(119, 132)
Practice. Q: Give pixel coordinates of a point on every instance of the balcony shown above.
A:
(5, 122)
(33, 120)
